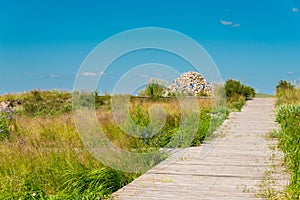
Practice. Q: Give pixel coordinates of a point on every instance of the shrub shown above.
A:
(234, 89)
(154, 89)
(237, 93)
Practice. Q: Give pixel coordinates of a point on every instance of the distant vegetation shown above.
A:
(42, 156)
(288, 115)
(263, 95)
(37, 103)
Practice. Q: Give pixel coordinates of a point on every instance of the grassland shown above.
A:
(42, 156)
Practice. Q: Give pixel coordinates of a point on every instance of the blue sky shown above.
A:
(43, 43)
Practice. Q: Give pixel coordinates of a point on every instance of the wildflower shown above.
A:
(1, 130)
(33, 194)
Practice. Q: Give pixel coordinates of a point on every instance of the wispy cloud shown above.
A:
(295, 9)
(91, 73)
(290, 73)
(229, 23)
(226, 23)
(88, 74)
(236, 25)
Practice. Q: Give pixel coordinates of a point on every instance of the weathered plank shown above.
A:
(234, 168)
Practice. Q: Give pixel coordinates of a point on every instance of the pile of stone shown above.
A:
(190, 83)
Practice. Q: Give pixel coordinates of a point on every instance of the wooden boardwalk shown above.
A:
(234, 168)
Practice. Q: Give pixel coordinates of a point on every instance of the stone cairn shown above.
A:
(190, 83)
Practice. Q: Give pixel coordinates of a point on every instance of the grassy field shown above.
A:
(42, 156)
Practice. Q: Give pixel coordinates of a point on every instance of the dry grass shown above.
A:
(39, 153)
(288, 96)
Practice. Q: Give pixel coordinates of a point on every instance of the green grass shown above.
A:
(37, 162)
(289, 139)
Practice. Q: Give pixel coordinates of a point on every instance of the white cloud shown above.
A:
(91, 74)
(226, 23)
(295, 9)
(229, 23)
(290, 73)
(236, 25)
(88, 74)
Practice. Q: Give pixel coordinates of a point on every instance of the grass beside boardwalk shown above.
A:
(42, 156)
(288, 115)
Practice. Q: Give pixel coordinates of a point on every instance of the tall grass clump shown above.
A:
(289, 139)
(94, 184)
(288, 115)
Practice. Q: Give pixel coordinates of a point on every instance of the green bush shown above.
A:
(237, 94)
(234, 89)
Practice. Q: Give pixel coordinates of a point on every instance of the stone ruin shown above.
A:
(190, 83)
